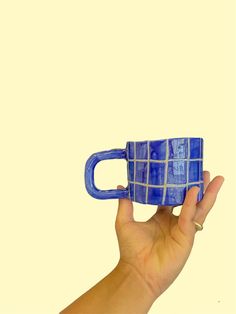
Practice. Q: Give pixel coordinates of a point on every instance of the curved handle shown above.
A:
(89, 174)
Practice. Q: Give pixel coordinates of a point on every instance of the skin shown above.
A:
(152, 254)
(159, 247)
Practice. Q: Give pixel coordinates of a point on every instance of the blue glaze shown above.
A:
(159, 172)
(141, 150)
(177, 172)
(89, 174)
(158, 151)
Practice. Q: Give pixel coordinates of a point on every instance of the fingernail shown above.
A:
(120, 187)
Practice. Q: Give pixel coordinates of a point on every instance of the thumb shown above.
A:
(125, 209)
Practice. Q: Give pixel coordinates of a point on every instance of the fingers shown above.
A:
(188, 211)
(169, 209)
(206, 179)
(209, 198)
(125, 210)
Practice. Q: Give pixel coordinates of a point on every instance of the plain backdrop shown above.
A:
(78, 77)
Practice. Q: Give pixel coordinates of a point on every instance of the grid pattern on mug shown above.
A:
(159, 167)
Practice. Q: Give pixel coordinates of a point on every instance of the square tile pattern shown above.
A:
(161, 172)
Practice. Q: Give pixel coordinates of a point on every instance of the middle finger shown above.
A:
(209, 198)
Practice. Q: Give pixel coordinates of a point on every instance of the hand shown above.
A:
(158, 249)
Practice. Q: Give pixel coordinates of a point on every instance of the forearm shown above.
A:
(121, 291)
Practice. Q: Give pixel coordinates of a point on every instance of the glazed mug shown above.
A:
(159, 172)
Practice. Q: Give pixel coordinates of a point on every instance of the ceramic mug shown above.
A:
(159, 172)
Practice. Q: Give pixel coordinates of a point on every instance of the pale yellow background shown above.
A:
(77, 77)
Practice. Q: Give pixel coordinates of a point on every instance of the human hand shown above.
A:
(158, 248)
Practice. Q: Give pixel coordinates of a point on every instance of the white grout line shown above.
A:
(167, 185)
(166, 171)
(188, 158)
(163, 160)
(148, 166)
(128, 179)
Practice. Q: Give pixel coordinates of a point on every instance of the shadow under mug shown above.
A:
(159, 172)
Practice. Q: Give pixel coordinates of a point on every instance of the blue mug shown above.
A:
(159, 172)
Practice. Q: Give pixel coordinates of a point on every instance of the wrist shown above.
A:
(138, 295)
(122, 291)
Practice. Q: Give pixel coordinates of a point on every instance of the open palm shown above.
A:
(158, 248)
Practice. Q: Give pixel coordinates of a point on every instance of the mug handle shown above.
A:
(117, 153)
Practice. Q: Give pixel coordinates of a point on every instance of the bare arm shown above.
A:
(152, 254)
(123, 290)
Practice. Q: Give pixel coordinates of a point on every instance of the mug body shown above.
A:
(161, 171)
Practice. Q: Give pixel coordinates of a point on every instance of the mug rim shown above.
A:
(171, 138)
